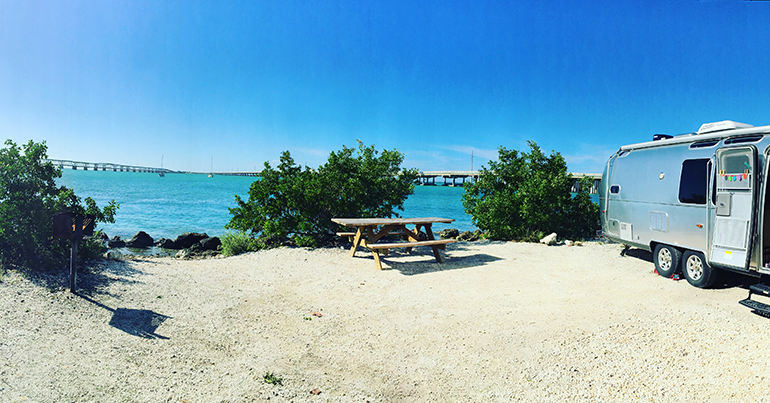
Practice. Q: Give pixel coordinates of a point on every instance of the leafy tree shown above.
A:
(524, 196)
(29, 198)
(292, 201)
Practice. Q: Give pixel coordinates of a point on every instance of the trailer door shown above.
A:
(734, 206)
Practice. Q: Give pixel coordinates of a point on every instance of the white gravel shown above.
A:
(495, 322)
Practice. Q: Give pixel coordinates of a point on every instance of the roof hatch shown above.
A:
(719, 126)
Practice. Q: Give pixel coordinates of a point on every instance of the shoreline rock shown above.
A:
(141, 240)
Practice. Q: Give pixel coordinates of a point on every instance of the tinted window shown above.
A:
(614, 189)
(693, 182)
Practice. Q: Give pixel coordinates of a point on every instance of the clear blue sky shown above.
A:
(239, 82)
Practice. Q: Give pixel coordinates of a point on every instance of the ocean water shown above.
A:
(177, 203)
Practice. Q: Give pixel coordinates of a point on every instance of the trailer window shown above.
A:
(694, 181)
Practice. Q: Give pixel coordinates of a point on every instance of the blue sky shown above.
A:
(238, 82)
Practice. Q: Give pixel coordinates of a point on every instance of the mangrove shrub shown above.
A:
(290, 201)
(29, 198)
(525, 196)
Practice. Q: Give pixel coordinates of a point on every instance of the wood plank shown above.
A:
(410, 244)
(354, 222)
(356, 241)
(351, 234)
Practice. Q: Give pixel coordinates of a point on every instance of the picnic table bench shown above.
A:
(370, 230)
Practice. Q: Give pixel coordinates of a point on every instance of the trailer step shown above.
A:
(757, 306)
(760, 289)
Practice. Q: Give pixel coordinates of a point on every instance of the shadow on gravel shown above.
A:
(640, 254)
(138, 322)
(429, 265)
(92, 277)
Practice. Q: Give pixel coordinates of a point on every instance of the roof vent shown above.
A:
(719, 126)
(656, 137)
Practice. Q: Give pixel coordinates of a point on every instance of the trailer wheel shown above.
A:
(666, 259)
(697, 272)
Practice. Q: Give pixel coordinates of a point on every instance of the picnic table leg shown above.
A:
(436, 253)
(375, 252)
(416, 233)
(356, 242)
(429, 232)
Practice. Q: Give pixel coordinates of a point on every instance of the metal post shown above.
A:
(73, 265)
(76, 236)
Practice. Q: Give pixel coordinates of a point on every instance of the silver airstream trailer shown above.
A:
(698, 201)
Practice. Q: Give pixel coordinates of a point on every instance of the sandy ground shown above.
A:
(495, 322)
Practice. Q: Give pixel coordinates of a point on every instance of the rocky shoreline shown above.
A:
(189, 244)
(201, 245)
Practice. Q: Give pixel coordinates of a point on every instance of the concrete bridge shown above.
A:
(428, 178)
(458, 178)
(107, 166)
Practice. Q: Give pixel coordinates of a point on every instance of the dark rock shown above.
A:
(140, 240)
(204, 248)
(101, 236)
(166, 244)
(476, 235)
(116, 242)
(113, 255)
(273, 241)
(211, 243)
(449, 233)
(189, 239)
(465, 236)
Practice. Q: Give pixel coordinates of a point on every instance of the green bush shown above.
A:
(290, 201)
(29, 198)
(237, 242)
(525, 196)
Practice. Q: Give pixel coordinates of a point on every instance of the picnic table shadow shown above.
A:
(137, 322)
(429, 265)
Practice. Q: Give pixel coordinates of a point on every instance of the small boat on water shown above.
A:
(161, 173)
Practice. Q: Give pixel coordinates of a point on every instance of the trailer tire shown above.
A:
(697, 272)
(666, 259)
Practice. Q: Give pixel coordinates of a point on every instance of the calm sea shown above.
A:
(177, 203)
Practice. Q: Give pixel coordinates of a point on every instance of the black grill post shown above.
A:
(76, 236)
(68, 226)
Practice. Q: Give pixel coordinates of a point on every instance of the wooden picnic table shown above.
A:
(370, 230)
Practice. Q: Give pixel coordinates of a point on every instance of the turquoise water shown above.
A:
(177, 203)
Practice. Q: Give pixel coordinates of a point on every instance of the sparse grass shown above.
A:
(272, 379)
(237, 242)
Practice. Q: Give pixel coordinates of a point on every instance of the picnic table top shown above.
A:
(357, 222)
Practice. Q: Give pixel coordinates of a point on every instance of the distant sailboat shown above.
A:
(161, 174)
(211, 173)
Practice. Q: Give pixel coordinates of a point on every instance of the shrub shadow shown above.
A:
(92, 277)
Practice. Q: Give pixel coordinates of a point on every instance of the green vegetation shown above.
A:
(237, 242)
(290, 204)
(272, 379)
(29, 198)
(525, 196)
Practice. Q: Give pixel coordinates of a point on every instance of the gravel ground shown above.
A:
(495, 322)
